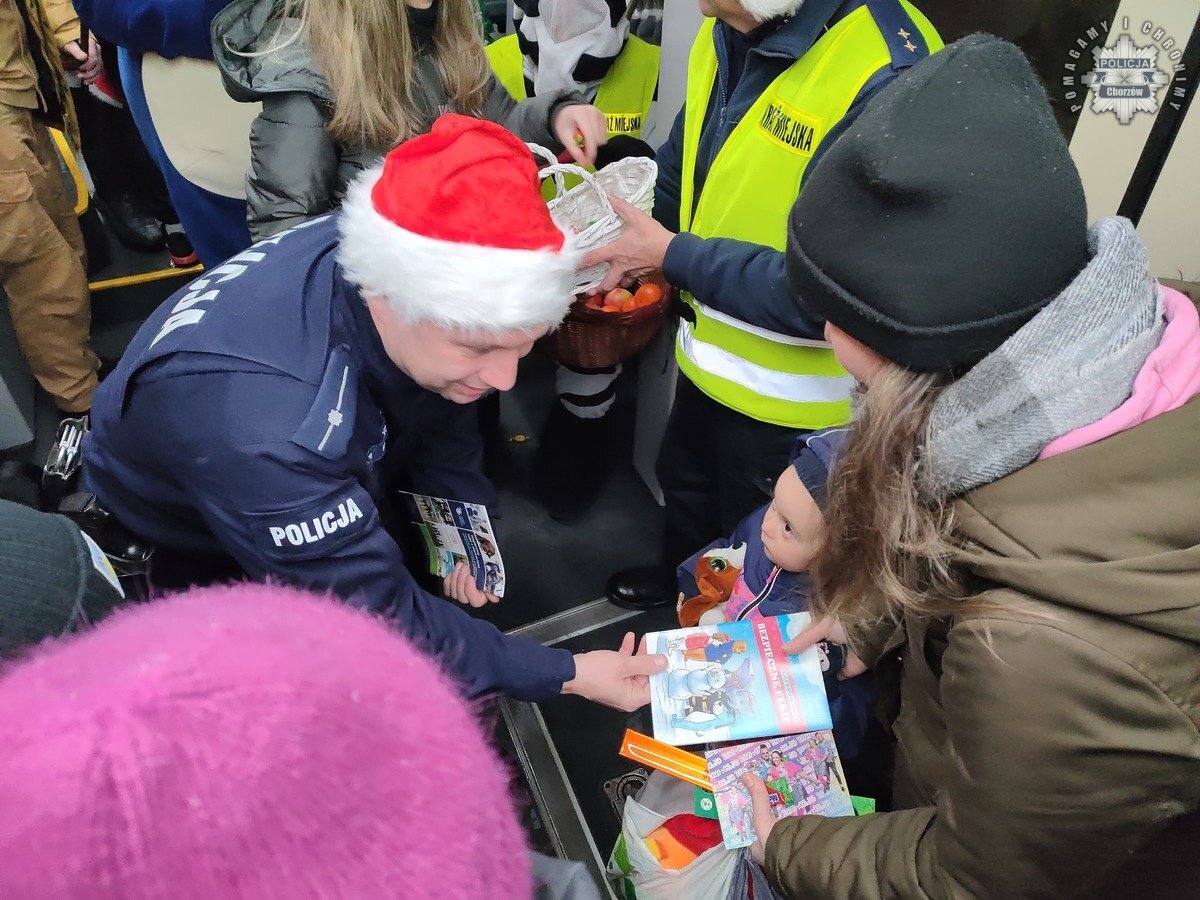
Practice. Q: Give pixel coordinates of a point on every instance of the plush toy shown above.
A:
(680, 839)
(716, 573)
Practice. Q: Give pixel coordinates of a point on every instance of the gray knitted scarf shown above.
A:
(1070, 365)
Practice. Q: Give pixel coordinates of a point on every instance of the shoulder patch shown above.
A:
(317, 528)
(327, 428)
(904, 40)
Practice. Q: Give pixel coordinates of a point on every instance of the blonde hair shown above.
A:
(367, 54)
(887, 546)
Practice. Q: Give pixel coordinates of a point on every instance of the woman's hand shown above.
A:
(760, 813)
(460, 585)
(587, 122)
(828, 629)
(620, 679)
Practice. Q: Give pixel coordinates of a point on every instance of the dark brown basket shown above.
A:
(592, 339)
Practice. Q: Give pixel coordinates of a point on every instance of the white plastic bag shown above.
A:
(707, 877)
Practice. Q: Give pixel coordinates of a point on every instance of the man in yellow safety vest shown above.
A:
(771, 83)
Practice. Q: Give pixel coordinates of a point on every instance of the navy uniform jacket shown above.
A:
(250, 415)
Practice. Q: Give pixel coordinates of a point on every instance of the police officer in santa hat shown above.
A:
(259, 414)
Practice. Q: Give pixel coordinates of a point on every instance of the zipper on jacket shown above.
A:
(762, 595)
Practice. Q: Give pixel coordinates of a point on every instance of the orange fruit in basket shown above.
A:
(629, 305)
(648, 294)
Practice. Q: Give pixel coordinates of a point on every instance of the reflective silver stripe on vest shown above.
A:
(764, 333)
(770, 383)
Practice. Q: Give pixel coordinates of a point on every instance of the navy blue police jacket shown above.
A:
(250, 416)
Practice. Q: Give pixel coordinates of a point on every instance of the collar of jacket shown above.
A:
(796, 35)
(366, 347)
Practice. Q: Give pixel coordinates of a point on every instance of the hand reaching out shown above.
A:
(586, 121)
(638, 251)
(828, 629)
(617, 678)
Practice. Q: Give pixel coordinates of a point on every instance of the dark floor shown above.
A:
(587, 735)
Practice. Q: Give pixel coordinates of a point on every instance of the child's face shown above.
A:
(792, 526)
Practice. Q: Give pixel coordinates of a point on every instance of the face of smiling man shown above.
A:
(459, 364)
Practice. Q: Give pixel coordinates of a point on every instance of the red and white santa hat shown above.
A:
(452, 229)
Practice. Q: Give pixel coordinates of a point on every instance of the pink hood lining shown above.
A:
(1169, 378)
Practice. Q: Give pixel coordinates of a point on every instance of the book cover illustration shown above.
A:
(734, 682)
(457, 532)
(803, 776)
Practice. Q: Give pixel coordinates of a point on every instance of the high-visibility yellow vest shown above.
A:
(748, 193)
(624, 95)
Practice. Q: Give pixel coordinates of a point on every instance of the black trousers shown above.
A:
(716, 466)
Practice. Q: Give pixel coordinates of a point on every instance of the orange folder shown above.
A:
(672, 760)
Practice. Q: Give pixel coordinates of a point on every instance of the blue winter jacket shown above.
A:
(251, 416)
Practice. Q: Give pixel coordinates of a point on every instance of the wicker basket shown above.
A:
(584, 210)
(593, 339)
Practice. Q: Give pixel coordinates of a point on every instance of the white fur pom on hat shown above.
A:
(764, 10)
(452, 229)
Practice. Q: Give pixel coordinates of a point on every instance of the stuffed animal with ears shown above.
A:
(716, 573)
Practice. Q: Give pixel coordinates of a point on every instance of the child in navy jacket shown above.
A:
(773, 547)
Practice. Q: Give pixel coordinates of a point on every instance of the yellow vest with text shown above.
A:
(748, 193)
(624, 95)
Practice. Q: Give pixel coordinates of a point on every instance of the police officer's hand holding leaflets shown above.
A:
(249, 419)
(460, 585)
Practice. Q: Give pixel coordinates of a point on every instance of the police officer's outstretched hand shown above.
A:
(638, 251)
(460, 585)
(616, 678)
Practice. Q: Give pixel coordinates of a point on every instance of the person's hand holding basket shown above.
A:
(604, 329)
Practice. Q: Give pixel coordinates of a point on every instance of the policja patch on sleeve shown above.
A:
(315, 528)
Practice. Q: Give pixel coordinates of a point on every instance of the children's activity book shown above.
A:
(803, 776)
(732, 682)
(457, 532)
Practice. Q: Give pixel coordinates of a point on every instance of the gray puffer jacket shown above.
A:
(297, 170)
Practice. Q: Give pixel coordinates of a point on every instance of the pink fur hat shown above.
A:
(248, 741)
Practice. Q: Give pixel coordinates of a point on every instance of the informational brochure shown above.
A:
(457, 532)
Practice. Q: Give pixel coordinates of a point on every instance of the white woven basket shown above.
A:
(584, 210)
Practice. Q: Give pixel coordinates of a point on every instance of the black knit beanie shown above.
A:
(946, 216)
(51, 579)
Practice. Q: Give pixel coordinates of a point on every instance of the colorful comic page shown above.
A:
(803, 776)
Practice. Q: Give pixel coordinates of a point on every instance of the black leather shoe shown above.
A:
(573, 460)
(131, 224)
(642, 587)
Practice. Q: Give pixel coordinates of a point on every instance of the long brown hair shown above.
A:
(887, 545)
(367, 54)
